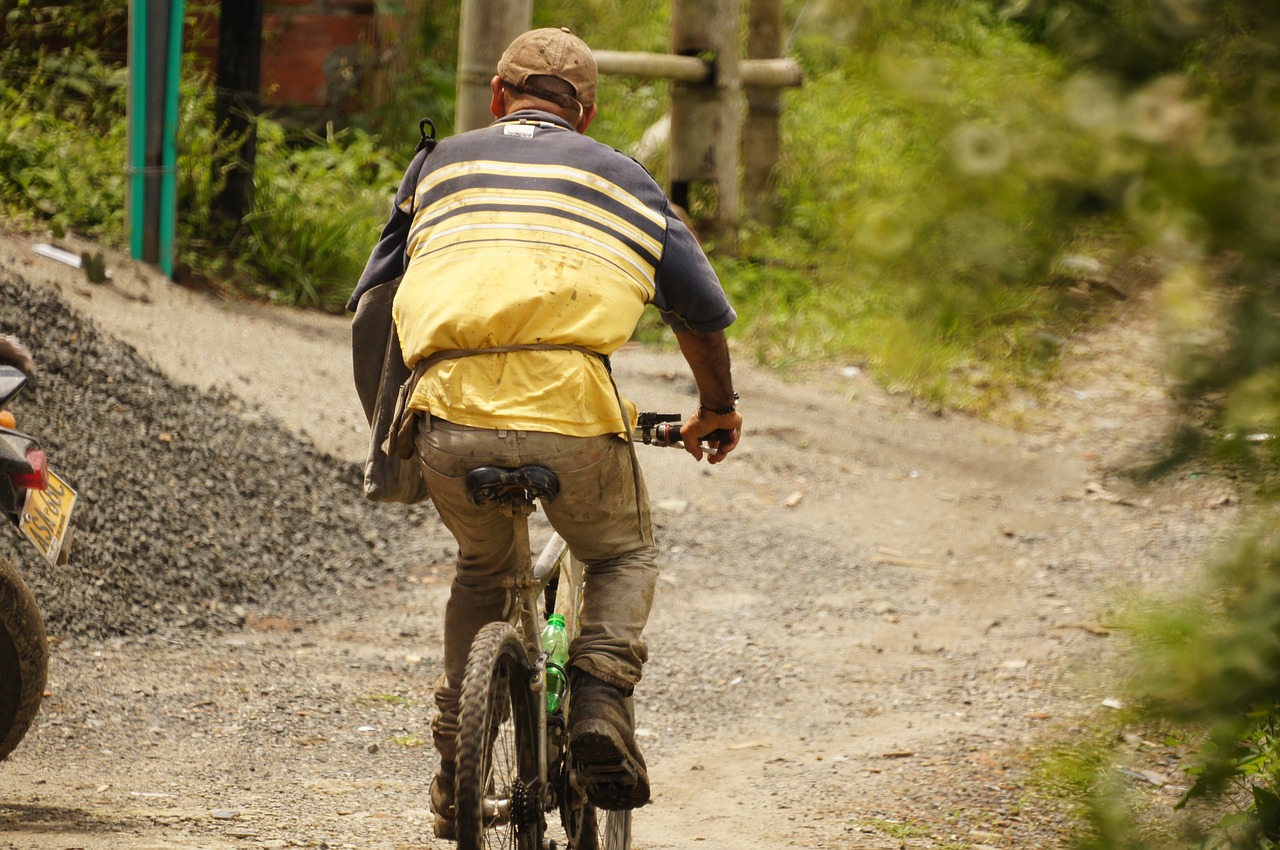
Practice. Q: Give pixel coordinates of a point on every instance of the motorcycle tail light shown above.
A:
(7, 420)
(38, 477)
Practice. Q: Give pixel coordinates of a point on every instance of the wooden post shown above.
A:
(762, 128)
(486, 28)
(706, 118)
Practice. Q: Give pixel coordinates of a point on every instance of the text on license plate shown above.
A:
(46, 518)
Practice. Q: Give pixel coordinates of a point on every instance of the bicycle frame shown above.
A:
(531, 581)
(516, 640)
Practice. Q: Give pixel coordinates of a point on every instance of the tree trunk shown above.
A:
(487, 27)
(762, 130)
(236, 106)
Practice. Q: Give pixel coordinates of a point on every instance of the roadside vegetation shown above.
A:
(962, 187)
(918, 216)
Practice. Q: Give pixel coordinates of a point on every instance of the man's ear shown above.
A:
(498, 105)
(588, 115)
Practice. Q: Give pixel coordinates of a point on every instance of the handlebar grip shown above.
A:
(668, 434)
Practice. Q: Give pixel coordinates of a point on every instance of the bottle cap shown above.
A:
(556, 620)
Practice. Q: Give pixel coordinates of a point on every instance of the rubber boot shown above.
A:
(442, 804)
(603, 743)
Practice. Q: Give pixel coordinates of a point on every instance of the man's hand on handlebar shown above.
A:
(702, 423)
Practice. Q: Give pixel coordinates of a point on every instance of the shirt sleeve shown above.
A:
(389, 256)
(688, 293)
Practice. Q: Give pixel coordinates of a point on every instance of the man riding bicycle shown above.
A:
(528, 253)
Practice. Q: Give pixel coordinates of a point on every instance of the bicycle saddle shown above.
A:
(488, 484)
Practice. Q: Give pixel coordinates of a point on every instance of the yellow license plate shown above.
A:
(46, 518)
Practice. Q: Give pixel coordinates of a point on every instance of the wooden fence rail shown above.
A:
(707, 115)
(774, 73)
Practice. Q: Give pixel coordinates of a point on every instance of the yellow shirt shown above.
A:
(529, 233)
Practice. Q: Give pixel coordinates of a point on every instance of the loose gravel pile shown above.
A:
(193, 510)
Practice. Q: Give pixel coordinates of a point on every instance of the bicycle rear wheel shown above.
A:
(498, 797)
(589, 828)
(585, 826)
(617, 831)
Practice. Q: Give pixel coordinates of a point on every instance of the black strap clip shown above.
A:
(428, 141)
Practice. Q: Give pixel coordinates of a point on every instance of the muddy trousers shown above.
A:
(596, 512)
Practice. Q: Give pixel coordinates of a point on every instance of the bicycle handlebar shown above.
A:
(663, 429)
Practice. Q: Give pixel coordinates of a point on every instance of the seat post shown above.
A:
(518, 506)
(516, 490)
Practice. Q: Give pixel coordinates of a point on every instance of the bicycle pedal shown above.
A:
(614, 774)
(613, 786)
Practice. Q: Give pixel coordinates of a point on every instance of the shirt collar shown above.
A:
(535, 116)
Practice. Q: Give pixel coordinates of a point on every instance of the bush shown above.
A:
(922, 204)
(63, 148)
(318, 209)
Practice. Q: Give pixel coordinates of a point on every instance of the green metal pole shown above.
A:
(169, 147)
(137, 196)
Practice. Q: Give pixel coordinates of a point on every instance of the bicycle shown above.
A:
(513, 763)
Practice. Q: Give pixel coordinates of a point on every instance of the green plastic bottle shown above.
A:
(555, 642)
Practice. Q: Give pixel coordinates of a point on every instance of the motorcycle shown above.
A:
(39, 503)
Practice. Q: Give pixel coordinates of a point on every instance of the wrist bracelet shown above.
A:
(721, 411)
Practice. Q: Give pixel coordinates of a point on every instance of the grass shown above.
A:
(901, 830)
(301, 203)
(1093, 772)
(920, 217)
(408, 740)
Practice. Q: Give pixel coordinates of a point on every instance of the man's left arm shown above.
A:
(388, 259)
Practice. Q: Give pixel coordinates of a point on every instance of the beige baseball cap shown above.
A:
(553, 52)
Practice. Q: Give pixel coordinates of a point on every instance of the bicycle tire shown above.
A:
(617, 830)
(24, 658)
(584, 828)
(498, 799)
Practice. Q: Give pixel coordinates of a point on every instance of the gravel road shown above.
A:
(866, 619)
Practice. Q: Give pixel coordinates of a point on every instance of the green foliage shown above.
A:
(611, 24)
(305, 245)
(417, 77)
(1179, 100)
(922, 203)
(55, 131)
(1208, 665)
(1187, 124)
(930, 179)
(62, 127)
(32, 27)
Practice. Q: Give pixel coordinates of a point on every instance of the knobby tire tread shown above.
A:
(496, 685)
(24, 658)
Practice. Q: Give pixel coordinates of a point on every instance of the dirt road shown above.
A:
(864, 620)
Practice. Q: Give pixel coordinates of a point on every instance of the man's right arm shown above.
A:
(708, 357)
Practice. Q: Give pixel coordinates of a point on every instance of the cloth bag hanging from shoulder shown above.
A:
(380, 377)
(380, 374)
